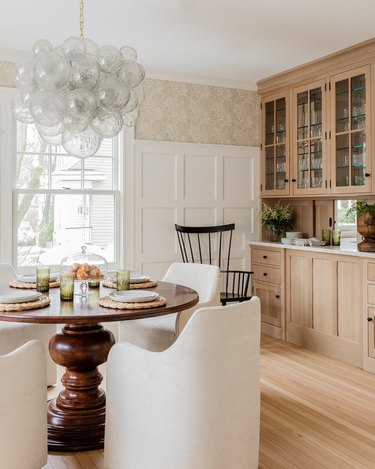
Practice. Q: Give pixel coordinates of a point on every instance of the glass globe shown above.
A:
(91, 48)
(41, 46)
(80, 104)
(49, 131)
(131, 104)
(25, 71)
(110, 59)
(74, 48)
(107, 124)
(51, 139)
(130, 118)
(81, 144)
(74, 125)
(51, 71)
(112, 94)
(132, 74)
(84, 74)
(21, 110)
(47, 108)
(128, 54)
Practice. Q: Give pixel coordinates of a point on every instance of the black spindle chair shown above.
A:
(197, 245)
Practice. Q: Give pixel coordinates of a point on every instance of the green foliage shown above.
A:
(276, 216)
(361, 207)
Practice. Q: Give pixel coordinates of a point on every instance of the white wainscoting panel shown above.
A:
(190, 184)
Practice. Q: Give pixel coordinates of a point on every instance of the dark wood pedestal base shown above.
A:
(76, 417)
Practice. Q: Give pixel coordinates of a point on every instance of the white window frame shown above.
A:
(9, 192)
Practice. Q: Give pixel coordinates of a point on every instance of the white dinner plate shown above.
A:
(138, 278)
(32, 278)
(19, 297)
(133, 296)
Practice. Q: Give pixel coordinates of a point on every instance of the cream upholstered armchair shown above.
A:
(13, 335)
(159, 333)
(23, 410)
(194, 405)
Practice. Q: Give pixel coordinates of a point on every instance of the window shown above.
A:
(346, 222)
(61, 202)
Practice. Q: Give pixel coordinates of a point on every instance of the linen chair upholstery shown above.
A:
(23, 410)
(195, 405)
(13, 335)
(159, 333)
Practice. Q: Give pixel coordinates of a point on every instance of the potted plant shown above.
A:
(276, 218)
(365, 224)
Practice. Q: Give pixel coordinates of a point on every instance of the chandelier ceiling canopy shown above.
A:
(77, 93)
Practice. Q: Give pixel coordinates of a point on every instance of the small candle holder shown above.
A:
(42, 278)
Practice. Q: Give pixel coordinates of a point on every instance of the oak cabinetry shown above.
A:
(370, 304)
(268, 267)
(275, 145)
(327, 147)
(324, 304)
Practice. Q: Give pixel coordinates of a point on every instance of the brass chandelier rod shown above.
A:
(81, 18)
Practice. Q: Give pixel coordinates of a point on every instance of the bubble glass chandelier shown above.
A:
(77, 93)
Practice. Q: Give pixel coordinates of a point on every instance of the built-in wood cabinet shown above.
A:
(324, 303)
(275, 145)
(350, 132)
(328, 148)
(308, 143)
(268, 284)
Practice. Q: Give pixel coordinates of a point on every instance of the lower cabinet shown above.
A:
(324, 304)
(270, 299)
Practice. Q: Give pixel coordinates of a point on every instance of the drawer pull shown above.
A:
(277, 296)
(369, 319)
(264, 257)
(264, 274)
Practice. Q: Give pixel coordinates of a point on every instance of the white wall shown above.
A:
(188, 184)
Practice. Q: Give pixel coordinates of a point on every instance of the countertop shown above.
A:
(347, 248)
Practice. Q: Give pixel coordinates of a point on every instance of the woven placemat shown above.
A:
(28, 286)
(107, 302)
(133, 286)
(40, 303)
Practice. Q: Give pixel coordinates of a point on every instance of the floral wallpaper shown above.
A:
(7, 74)
(186, 112)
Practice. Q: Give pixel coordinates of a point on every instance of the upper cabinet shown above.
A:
(350, 132)
(309, 118)
(275, 145)
(326, 149)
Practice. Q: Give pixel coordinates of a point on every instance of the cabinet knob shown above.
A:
(369, 319)
(264, 257)
(264, 274)
(277, 296)
(367, 175)
(294, 180)
(286, 180)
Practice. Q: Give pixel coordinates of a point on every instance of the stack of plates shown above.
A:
(133, 296)
(138, 278)
(32, 278)
(294, 234)
(19, 297)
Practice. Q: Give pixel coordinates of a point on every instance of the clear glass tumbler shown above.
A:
(67, 286)
(42, 278)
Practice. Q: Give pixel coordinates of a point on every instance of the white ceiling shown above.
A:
(221, 42)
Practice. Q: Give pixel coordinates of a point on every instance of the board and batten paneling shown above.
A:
(191, 184)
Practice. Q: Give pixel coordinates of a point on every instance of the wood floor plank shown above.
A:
(85, 460)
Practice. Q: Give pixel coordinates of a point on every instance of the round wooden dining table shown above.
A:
(76, 418)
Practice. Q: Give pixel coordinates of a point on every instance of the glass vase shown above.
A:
(274, 234)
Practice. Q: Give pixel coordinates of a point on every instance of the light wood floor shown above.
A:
(316, 412)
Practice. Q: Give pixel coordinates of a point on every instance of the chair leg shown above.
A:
(223, 303)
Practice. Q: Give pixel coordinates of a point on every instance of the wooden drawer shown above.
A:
(266, 256)
(371, 294)
(371, 271)
(267, 274)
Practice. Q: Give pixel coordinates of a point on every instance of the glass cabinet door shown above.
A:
(309, 115)
(350, 123)
(275, 146)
